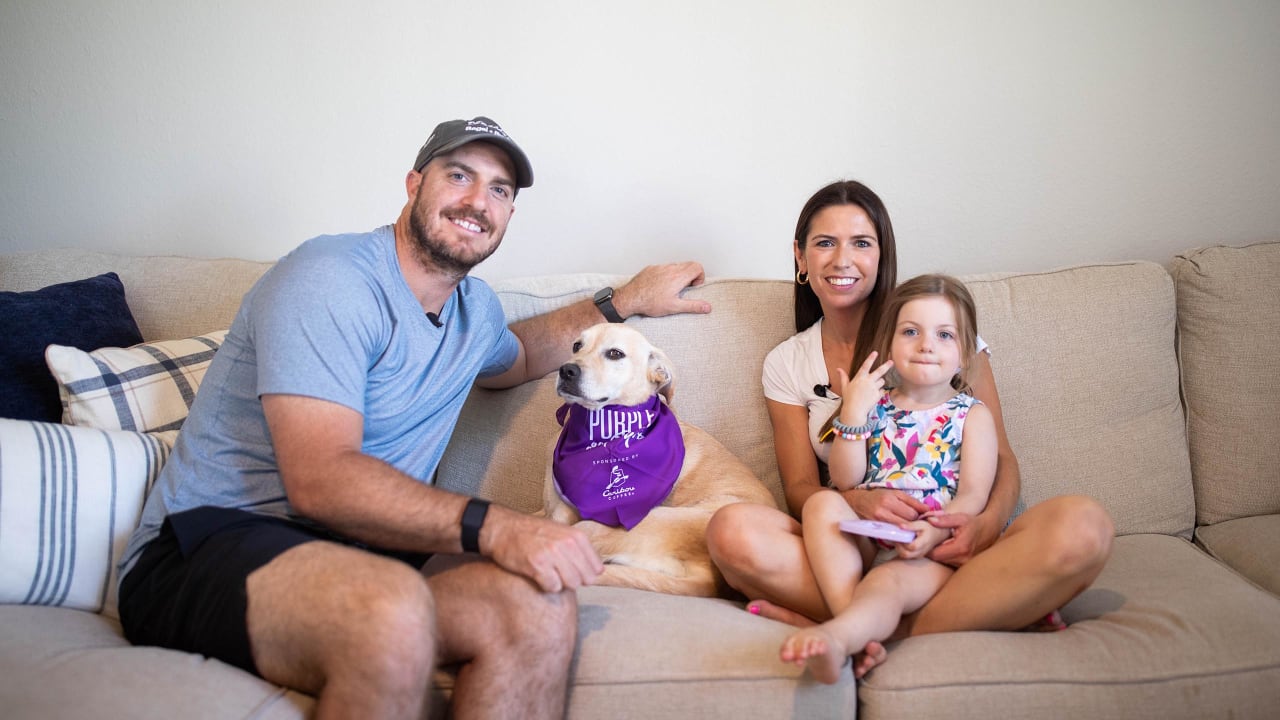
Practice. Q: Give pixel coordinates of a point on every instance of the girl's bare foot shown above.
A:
(766, 609)
(820, 651)
(872, 655)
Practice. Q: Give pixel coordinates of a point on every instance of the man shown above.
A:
(288, 528)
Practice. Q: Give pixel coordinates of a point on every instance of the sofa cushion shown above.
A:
(62, 663)
(1229, 346)
(1088, 376)
(1250, 545)
(1164, 632)
(649, 655)
(69, 499)
(86, 314)
(145, 388)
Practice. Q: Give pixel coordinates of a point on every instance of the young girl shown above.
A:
(909, 438)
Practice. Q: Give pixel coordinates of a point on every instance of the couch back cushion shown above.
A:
(170, 297)
(1088, 377)
(1229, 347)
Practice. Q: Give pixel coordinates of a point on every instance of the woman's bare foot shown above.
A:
(766, 609)
(1052, 622)
(872, 655)
(818, 650)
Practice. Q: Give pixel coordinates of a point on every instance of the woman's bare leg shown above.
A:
(760, 551)
(1051, 553)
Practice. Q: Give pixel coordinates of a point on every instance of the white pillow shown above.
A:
(69, 499)
(146, 388)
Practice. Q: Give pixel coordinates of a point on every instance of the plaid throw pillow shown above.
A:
(144, 388)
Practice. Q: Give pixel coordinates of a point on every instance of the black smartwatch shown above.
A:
(472, 521)
(604, 301)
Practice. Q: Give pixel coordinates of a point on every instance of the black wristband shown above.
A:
(604, 301)
(472, 520)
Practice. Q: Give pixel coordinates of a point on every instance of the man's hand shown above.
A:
(556, 557)
(973, 534)
(656, 291)
(888, 506)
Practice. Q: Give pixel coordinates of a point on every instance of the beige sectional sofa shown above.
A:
(1155, 390)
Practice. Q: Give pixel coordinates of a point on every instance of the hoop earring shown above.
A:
(800, 280)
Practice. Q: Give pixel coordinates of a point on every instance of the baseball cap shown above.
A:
(453, 134)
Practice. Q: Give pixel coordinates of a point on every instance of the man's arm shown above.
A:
(545, 340)
(328, 479)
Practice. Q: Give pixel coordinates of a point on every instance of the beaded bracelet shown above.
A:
(856, 434)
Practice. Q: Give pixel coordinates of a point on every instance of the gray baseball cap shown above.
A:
(453, 134)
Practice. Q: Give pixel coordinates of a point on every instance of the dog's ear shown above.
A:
(660, 373)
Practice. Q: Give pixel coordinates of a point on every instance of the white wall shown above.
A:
(1002, 135)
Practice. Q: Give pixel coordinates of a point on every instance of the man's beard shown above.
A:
(433, 252)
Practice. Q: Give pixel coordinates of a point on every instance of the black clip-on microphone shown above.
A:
(820, 390)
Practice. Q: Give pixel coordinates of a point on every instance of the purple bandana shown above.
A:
(617, 463)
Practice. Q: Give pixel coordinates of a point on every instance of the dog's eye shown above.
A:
(614, 354)
(577, 346)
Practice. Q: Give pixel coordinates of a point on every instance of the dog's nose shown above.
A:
(570, 371)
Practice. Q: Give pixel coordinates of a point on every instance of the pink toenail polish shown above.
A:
(753, 609)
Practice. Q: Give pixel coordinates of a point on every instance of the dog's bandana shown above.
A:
(617, 463)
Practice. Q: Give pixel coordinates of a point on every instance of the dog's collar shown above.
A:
(617, 463)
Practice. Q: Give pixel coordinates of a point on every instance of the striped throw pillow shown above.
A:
(69, 499)
(145, 388)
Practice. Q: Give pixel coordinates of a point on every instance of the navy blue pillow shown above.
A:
(86, 314)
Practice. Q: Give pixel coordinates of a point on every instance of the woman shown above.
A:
(846, 264)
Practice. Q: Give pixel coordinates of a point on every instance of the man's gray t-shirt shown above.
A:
(332, 320)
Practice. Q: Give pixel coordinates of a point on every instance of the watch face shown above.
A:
(604, 294)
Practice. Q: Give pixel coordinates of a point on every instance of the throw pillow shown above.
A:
(69, 499)
(86, 314)
(144, 388)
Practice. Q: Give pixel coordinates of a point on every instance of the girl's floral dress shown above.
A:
(918, 451)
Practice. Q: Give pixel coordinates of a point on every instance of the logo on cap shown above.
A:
(481, 126)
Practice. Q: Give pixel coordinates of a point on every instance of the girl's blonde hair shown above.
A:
(954, 292)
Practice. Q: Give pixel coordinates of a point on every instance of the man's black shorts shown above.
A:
(187, 590)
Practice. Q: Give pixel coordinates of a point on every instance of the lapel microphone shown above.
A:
(821, 390)
(435, 319)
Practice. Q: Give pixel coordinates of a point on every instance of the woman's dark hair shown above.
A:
(807, 307)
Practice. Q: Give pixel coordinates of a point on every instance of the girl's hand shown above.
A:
(927, 537)
(861, 393)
